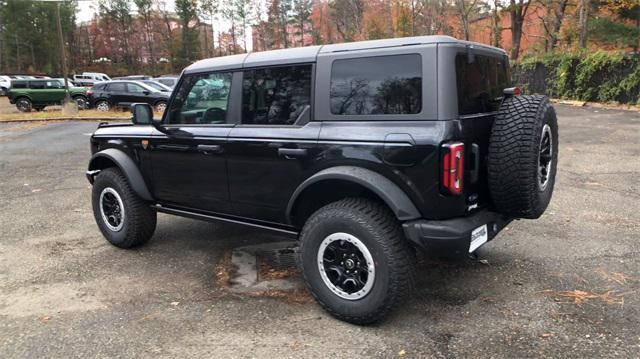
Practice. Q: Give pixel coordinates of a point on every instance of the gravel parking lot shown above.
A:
(565, 285)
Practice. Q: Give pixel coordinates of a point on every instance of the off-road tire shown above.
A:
(514, 151)
(375, 226)
(139, 220)
(23, 104)
(81, 101)
(160, 106)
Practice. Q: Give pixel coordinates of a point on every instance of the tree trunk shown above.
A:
(583, 22)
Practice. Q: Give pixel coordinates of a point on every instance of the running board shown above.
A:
(212, 218)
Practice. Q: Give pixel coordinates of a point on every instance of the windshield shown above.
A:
(157, 86)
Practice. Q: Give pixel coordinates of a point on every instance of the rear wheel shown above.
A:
(523, 155)
(82, 102)
(103, 106)
(124, 219)
(355, 260)
(161, 106)
(24, 104)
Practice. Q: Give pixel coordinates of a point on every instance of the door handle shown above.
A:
(181, 148)
(210, 148)
(289, 153)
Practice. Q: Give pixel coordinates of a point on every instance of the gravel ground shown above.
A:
(565, 285)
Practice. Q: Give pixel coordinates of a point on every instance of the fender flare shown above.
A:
(397, 200)
(126, 165)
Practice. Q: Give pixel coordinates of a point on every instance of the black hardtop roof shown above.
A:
(310, 53)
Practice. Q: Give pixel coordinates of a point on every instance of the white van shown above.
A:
(90, 78)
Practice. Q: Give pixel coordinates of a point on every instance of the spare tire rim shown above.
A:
(346, 266)
(545, 157)
(112, 209)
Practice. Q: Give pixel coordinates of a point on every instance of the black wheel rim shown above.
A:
(545, 157)
(112, 209)
(346, 266)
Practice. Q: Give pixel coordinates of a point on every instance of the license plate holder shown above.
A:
(479, 236)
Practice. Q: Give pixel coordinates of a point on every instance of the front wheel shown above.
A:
(124, 219)
(24, 105)
(355, 260)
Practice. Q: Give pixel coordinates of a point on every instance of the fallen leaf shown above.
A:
(484, 261)
(174, 303)
(45, 319)
(402, 353)
(546, 335)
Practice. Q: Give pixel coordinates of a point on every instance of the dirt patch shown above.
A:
(299, 296)
(47, 300)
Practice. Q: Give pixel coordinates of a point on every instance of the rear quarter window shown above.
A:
(480, 83)
(376, 85)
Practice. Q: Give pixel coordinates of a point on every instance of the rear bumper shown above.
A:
(453, 236)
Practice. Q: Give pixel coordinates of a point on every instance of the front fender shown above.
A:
(129, 168)
(399, 203)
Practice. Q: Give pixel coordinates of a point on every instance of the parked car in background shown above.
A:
(37, 94)
(133, 77)
(5, 83)
(89, 79)
(170, 81)
(107, 95)
(157, 85)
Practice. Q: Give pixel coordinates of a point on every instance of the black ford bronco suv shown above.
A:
(363, 151)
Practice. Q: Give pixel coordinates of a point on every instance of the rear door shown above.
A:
(38, 91)
(115, 93)
(270, 150)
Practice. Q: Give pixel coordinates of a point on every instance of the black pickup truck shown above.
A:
(363, 151)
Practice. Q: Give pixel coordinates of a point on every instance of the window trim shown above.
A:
(230, 122)
(311, 95)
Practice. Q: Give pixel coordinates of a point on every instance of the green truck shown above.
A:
(38, 93)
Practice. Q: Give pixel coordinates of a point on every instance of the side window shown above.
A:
(275, 96)
(54, 85)
(135, 88)
(19, 84)
(377, 85)
(480, 83)
(202, 99)
(116, 87)
(37, 85)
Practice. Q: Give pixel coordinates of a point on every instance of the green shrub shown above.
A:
(599, 76)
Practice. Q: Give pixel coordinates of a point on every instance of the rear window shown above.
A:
(480, 83)
(377, 85)
(116, 87)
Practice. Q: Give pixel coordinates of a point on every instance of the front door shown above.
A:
(271, 149)
(189, 158)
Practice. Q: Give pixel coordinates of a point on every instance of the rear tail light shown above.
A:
(89, 92)
(453, 167)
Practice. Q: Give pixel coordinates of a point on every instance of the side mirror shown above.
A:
(146, 92)
(142, 114)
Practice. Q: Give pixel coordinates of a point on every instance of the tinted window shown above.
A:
(377, 85)
(19, 84)
(275, 96)
(135, 88)
(480, 83)
(202, 99)
(37, 85)
(116, 87)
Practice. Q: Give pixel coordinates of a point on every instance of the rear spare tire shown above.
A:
(523, 155)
